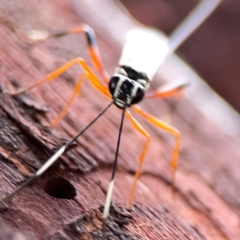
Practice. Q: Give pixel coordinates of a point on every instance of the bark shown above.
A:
(206, 203)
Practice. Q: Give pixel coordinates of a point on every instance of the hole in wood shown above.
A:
(60, 188)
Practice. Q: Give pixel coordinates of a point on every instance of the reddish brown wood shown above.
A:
(207, 203)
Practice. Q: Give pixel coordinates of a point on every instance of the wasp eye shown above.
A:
(112, 84)
(139, 96)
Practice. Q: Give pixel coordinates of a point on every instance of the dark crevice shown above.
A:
(59, 187)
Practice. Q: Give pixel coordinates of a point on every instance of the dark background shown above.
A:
(213, 50)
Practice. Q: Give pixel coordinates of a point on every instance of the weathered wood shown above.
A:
(206, 205)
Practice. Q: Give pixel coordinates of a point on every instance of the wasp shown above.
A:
(143, 53)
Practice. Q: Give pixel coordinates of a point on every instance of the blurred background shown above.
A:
(213, 50)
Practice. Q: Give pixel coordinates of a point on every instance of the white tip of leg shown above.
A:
(37, 35)
(108, 200)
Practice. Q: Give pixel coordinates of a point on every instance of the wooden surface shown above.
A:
(207, 185)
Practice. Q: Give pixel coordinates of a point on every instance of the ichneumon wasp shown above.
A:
(142, 55)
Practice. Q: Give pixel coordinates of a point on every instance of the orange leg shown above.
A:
(172, 89)
(92, 47)
(88, 73)
(142, 156)
(175, 88)
(69, 103)
(158, 123)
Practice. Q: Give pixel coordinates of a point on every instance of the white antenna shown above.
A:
(191, 23)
